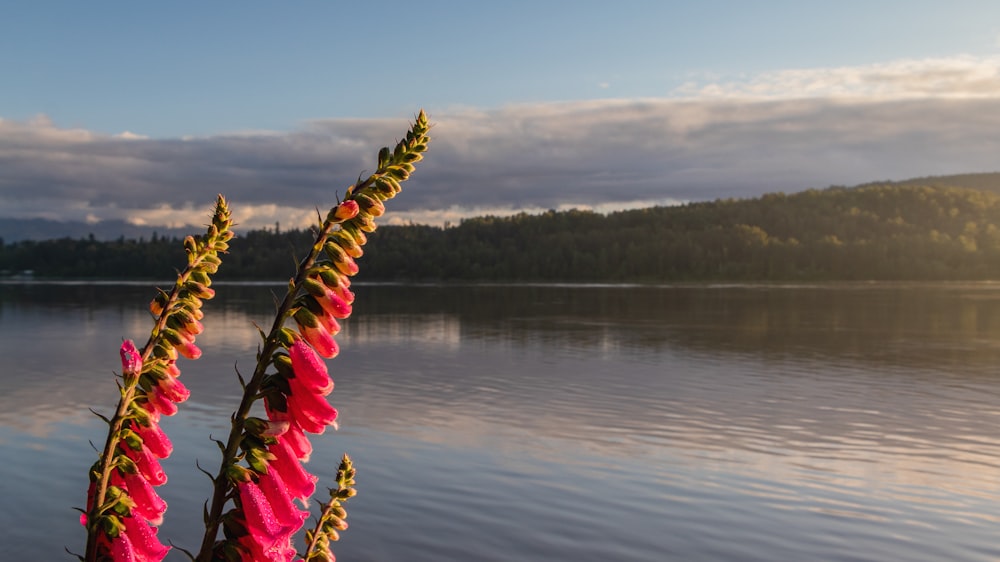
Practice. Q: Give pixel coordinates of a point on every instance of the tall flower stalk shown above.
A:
(261, 471)
(123, 508)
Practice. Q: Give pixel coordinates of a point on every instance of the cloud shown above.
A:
(786, 131)
(959, 77)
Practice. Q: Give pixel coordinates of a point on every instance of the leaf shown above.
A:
(102, 416)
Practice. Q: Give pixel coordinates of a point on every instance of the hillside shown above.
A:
(892, 231)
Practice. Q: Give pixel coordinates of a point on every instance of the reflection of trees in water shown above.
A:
(902, 324)
(633, 365)
(918, 325)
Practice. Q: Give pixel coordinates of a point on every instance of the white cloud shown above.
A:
(787, 130)
(960, 77)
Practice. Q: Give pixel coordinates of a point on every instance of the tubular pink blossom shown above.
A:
(122, 549)
(173, 389)
(300, 483)
(149, 467)
(309, 369)
(348, 266)
(131, 358)
(305, 405)
(344, 293)
(281, 501)
(297, 442)
(277, 552)
(145, 544)
(172, 369)
(160, 403)
(321, 340)
(193, 328)
(189, 350)
(263, 526)
(154, 439)
(148, 504)
(334, 304)
(306, 423)
(91, 491)
(329, 323)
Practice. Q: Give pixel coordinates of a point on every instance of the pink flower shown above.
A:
(189, 350)
(310, 410)
(309, 369)
(333, 304)
(158, 402)
(173, 389)
(148, 504)
(145, 545)
(321, 340)
(172, 370)
(91, 491)
(300, 483)
(149, 467)
(297, 442)
(264, 528)
(122, 549)
(131, 358)
(154, 439)
(281, 502)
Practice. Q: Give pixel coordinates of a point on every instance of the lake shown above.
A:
(836, 422)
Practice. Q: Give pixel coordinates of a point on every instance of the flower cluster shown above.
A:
(123, 508)
(332, 519)
(262, 474)
(262, 471)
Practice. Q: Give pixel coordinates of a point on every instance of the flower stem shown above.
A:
(221, 483)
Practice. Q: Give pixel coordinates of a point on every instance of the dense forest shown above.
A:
(895, 231)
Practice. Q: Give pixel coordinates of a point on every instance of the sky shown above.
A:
(143, 112)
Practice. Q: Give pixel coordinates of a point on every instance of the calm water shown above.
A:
(836, 422)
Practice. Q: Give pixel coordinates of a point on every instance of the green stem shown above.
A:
(106, 464)
(221, 483)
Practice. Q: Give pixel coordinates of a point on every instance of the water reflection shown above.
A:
(629, 423)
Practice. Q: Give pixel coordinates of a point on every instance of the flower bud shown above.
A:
(370, 205)
(346, 210)
(131, 359)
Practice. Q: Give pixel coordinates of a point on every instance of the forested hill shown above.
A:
(871, 232)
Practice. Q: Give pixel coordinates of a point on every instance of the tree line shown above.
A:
(881, 232)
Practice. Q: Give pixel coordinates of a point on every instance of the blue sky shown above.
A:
(137, 111)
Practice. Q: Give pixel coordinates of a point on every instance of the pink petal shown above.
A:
(297, 442)
(309, 369)
(262, 524)
(159, 402)
(173, 389)
(300, 483)
(279, 551)
(91, 491)
(122, 550)
(148, 504)
(172, 369)
(189, 350)
(149, 467)
(329, 323)
(143, 539)
(154, 439)
(334, 304)
(281, 502)
(131, 358)
(321, 340)
(306, 406)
